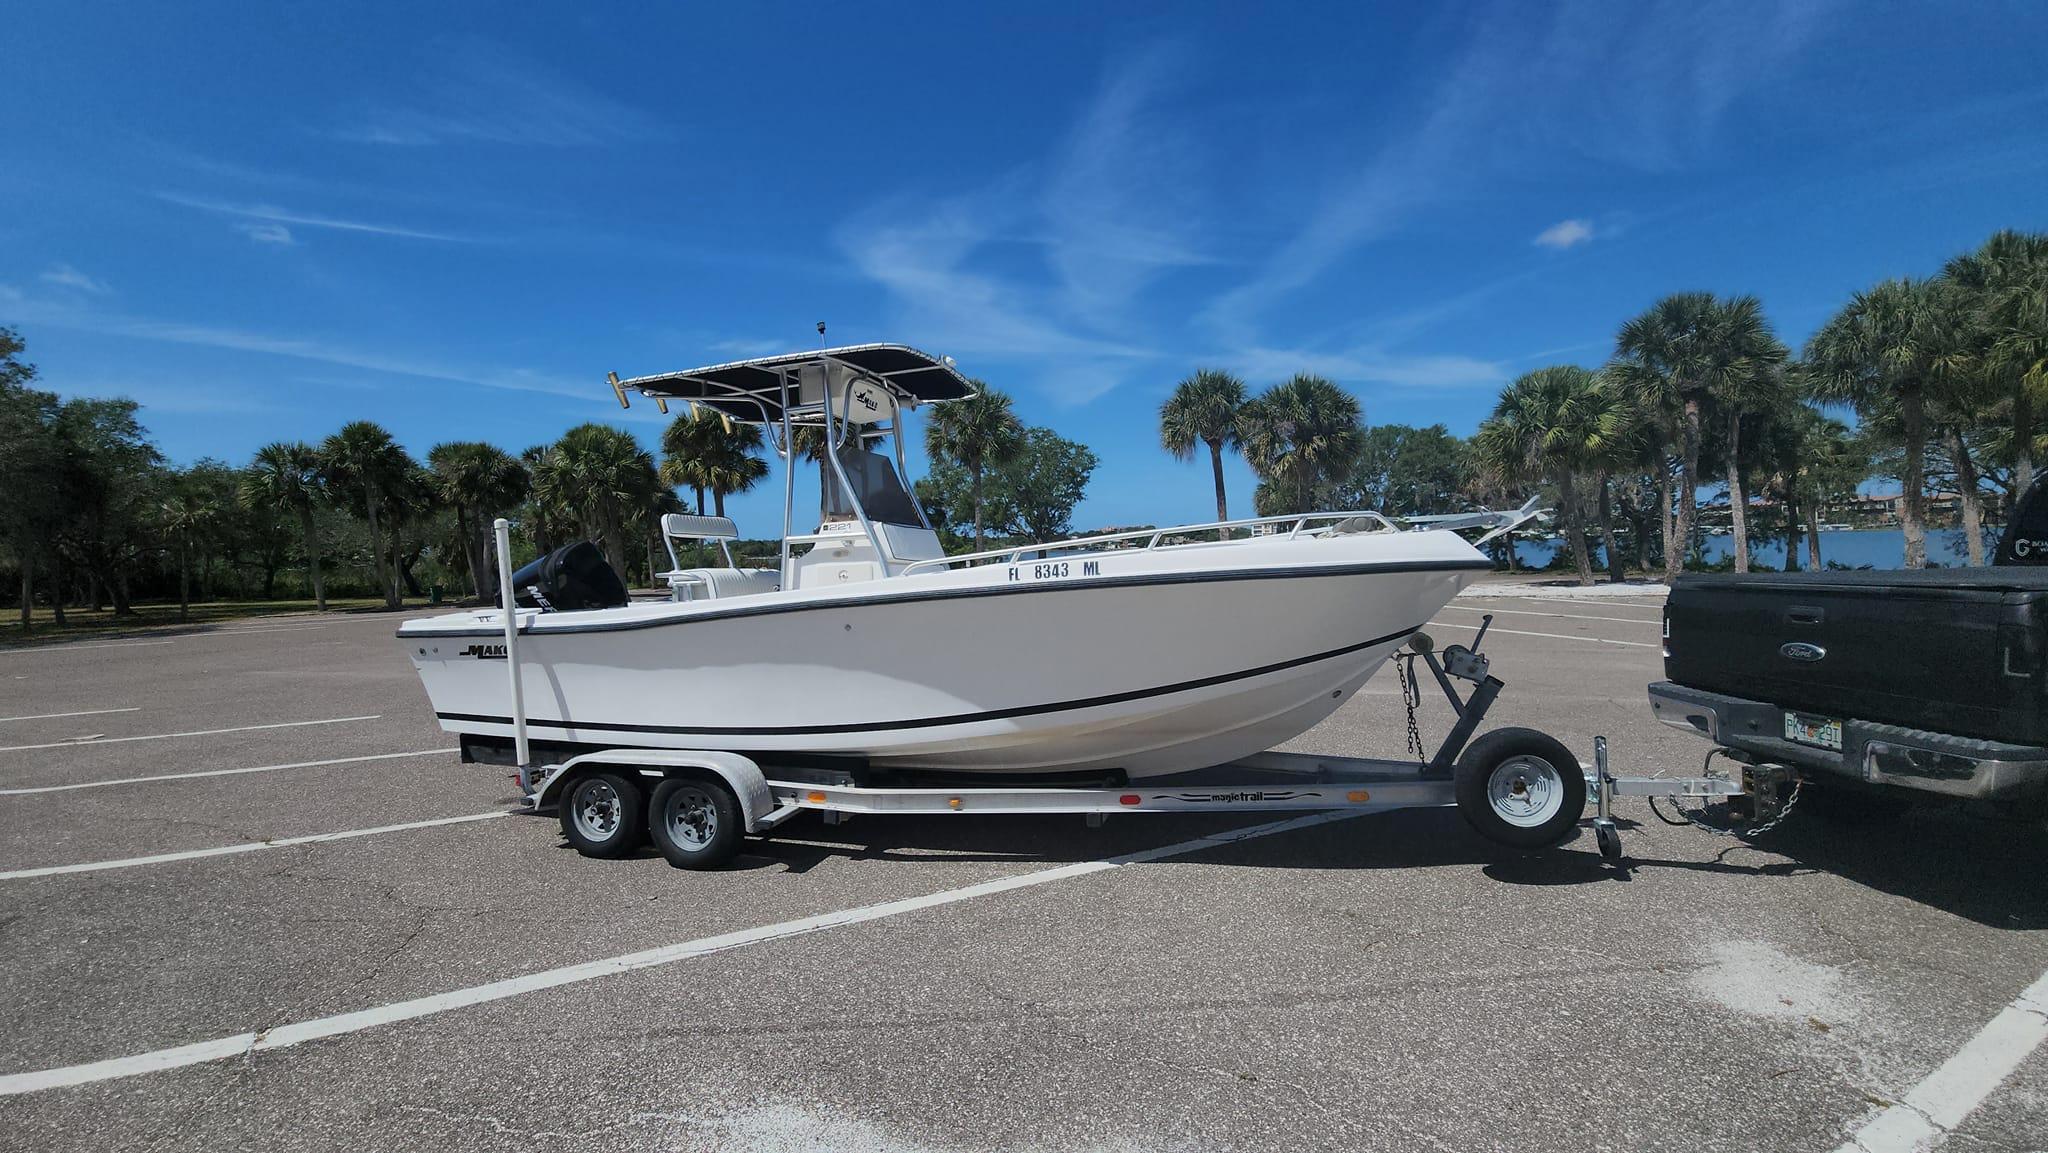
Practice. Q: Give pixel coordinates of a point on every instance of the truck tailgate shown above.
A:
(1953, 651)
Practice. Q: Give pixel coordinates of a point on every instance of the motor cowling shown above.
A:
(569, 579)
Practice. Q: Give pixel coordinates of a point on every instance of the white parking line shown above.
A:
(8, 651)
(1567, 616)
(95, 741)
(248, 847)
(217, 773)
(265, 629)
(282, 1036)
(1553, 636)
(79, 713)
(1931, 1110)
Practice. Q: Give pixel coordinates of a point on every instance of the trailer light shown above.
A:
(1358, 796)
(953, 802)
(1129, 799)
(815, 798)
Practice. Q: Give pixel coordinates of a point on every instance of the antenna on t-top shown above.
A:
(821, 333)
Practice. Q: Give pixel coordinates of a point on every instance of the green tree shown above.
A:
(188, 511)
(1748, 390)
(478, 481)
(1407, 471)
(1204, 409)
(365, 464)
(1882, 349)
(606, 477)
(1300, 435)
(29, 463)
(1032, 496)
(285, 477)
(1555, 424)
(707, 452)
(107, 482)
(2007, 283)
(975, 433)
(1674, 358)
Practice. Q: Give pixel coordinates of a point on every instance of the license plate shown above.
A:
(1821, 732)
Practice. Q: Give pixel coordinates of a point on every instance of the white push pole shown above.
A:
(508, 598)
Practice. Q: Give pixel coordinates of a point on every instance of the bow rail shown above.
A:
(1297, 525)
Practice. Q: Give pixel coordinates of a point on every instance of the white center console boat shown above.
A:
(1136, 653)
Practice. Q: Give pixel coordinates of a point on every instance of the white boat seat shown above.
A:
(699, 584)
(682, 524)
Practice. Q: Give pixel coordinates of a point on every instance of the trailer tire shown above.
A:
(1520, 788)
(695, 822)
(604, 814)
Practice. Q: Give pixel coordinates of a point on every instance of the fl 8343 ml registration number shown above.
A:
(1054, 570)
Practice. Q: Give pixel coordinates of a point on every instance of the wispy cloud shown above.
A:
(65, 276)
(482, 92)
(265, 232)
(253, 218)
(1643, 87)
(1046, 263)
(1564, 234)
(1368, 365)
(73, 315)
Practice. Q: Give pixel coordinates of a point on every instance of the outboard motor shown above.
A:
(2026, 531)
(569, 579)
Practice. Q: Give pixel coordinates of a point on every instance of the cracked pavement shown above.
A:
(1383, 982)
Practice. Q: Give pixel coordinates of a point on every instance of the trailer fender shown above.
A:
(741, 774)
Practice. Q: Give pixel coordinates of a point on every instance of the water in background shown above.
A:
(1883, 548)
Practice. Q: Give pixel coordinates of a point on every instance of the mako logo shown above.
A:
(484, 652)
(1802, 652)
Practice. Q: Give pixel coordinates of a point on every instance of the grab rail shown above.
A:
(1298, 522)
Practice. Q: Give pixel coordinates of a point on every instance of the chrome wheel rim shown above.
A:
(598, 811)
(691, 817)
(1525, 791)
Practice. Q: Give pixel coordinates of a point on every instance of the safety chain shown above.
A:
(1740, 834)
(1411, 696)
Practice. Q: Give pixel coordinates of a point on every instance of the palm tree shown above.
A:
(1300, 433)
(976, 433)
(1673, 358)
(2007, 280)
(479, 481)
(187, 512)
(1882, 349)
(606, 477)
(704, 450)
(1746, 390)
(363, 461)
(285, 477)
(1552, 424)
(1204, 409)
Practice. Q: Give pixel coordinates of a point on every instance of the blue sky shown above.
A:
(264, 220)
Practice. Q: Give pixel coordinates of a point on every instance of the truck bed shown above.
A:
(1957, 651)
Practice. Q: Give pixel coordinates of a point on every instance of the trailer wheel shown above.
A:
(604, 814)
(695, 823)
(1520, 788)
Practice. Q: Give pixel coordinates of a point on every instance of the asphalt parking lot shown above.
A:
(196, 963)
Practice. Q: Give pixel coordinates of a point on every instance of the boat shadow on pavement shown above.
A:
(1982, 869)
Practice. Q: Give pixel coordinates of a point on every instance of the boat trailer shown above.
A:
(1516, 786)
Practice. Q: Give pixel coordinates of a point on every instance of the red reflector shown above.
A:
(1129, 799)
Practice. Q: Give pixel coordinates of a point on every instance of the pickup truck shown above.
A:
(1869, 684)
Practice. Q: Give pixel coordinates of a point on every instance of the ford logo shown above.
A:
(1801, 651)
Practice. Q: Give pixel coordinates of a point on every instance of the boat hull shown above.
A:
(1155, 673)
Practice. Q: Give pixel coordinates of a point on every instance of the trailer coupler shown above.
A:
(1760, 791)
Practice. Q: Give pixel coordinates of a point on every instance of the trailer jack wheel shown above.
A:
(1608, 837)
(1520, 788)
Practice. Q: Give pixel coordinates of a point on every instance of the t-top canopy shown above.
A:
(751, 390)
